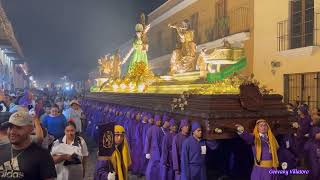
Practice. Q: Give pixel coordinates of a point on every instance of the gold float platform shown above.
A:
(177, 84)
(164, 89)
(174, 89)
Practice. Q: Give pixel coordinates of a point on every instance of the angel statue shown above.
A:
(140, 46)
(184, 56)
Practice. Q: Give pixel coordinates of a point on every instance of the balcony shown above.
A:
(235, 21)
(298, 38)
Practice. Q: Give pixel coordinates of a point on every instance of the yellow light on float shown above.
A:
(141, 87)
(131, 87)
(115, 87)
(123, 86)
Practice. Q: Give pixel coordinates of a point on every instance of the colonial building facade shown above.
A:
(13, 69)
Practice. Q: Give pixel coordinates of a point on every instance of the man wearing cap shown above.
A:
(193, 156)
(167, 172)
(117, 167)
(25, 160)
(264, 148)
(152, 149)
(177, 145)
(74, 113)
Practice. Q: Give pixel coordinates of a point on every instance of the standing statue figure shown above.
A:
(184, 56)
(105, 66)
(140, 45)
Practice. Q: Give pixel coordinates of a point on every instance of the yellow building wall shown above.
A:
(266, 16)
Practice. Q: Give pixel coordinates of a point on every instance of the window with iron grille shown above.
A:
(303, 88)
(221, 21)
(302, 22)
(300, 30)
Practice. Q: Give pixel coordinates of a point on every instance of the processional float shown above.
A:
(204, 85)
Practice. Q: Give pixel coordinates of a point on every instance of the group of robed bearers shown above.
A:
(162, 150)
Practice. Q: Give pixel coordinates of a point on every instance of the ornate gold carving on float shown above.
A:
(109, 66)
(231, 85)
(225, 55)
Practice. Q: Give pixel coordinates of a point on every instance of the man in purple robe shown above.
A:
(137, 150)
(127, 119)
(193, 156)
(302, 134)
(176, 147)
(152, 149)
(286, 155)
(167, 172)
(264, 148)
(144, 161)
(313, 148)
(119, 119)
(165, 124)
(133, 141)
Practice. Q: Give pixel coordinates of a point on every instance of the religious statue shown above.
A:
(138, 71)
(105, 66)
(201, 63)
(140, 46)
(184, 56)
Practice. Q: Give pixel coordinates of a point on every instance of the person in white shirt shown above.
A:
(69, 154)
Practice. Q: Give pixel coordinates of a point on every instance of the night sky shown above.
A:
(66, 37)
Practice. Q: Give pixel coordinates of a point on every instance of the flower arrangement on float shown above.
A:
(226, 86)
(137, 80)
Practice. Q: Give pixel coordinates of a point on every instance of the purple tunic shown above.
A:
(286, 154)
(144, 161)
(137, 150)
(301, 139)
(103, 168)
(193, 160)
(167, 172)
(259, 173)
(153, 147)
(314, 154)
(132, 143)
(176, 153)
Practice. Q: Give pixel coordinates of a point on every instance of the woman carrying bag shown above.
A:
(69, 154)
